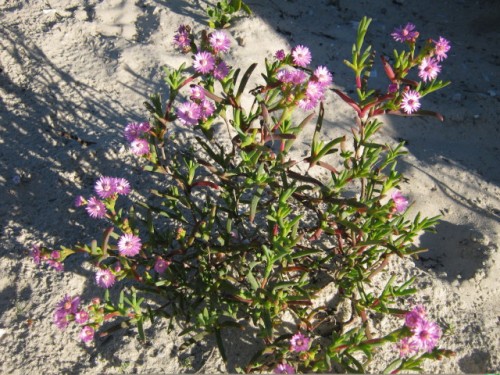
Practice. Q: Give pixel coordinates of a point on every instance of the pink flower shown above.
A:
(122, 186)
(105, 278)
(405, 34)
(79, 201)
(139, 147)
(412, 318)
(301, 56)
(284, 368)
(188, 113)
(221, 70)
(442, 46)
(69, 304)
(297, 76)
(161, 265)
(393, 87)
(132, 131)
(59, 319)
(204, 62)
(314, 90)
(95, 208)
(280, 55)
(294, 76)
(323, 76)
(197, 93)
(81, 317)
(129, 245)
(410, 102)
(219, 41)
(182, 39)
(144, 127)
(407, 347)
(207, 108)
(36, 254)
(105, 187)
(426, 335)
(307, 104)
(400, 201)
(87, 334)
(299, 342)
(428, 69)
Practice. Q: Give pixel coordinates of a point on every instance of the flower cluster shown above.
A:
(135, 133)
(428, 64)
(425, 336)
(53, 259)
(68, 309)
(297, 85)
(198, 109)
(207, 61)
(107, 188)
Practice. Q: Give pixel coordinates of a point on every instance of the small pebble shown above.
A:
(492, 92)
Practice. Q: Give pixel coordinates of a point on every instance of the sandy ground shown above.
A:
(83, 68)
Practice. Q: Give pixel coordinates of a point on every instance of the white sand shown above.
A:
(86, 69)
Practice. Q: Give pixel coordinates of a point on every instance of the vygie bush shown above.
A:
(240, 234)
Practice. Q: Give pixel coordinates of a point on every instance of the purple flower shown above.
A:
(221, 70)
(182, 39)
(428, 69)
(87, 334)
(197, 93)
(36, 254)
(144, 127)
(129, 245)
(59, 319)
(139, 147)
(410, 102)
(188, 113)
(400, 201)
(122, 186)
(105, 278)
(307, 104)
(426, 335)
(95, 208)
(219, 41)
(404, 34)
(412, 318)
(105, 187)
(393, 87)
(299, 342)
(301, 56)
(284, 368)
(204, 62)
(294, 76)
(207, 108)
(81, 317)
(442, 46)
(80, 201)
(132, 131)
(161, 265)
(314, 90)
(323, 76)
(69, 304)
(280, 55)
(407, 347)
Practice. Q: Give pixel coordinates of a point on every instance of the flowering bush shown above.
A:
(240, 234)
